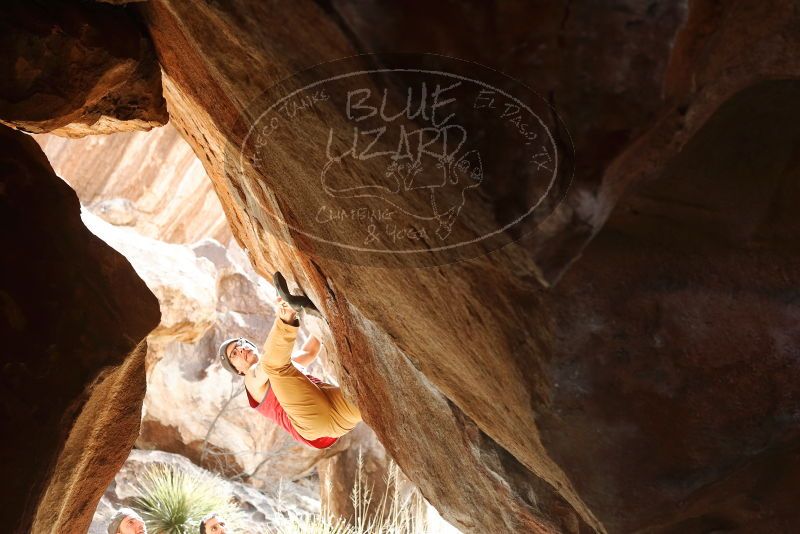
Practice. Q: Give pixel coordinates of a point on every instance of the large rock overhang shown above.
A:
(471, 372)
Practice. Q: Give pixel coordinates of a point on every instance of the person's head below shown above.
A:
(213, 523)
(237, 355)
(126, 521)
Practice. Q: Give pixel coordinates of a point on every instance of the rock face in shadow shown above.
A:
(76, 69)
(149, 181)
(74, 317)
(687, 301)
(631, 365)
(600, 65)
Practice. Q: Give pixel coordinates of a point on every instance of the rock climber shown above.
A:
(126, 521)
(213, 523)
(312, 411)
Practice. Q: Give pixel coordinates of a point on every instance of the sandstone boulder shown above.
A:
(77, 69)
(75, 316)
(184, 283)
(529, 389)
(117, 211)
(150, 181)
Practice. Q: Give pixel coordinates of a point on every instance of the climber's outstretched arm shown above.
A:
(308, 353)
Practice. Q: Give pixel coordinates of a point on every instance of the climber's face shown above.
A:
(132, 525)
(216, 525)
(242, 355)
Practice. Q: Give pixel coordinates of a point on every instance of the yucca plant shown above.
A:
(172, 501)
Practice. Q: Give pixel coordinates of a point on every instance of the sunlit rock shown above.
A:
(183, 282)
(151, 181)
(193, 406)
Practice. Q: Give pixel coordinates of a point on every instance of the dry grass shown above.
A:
(394, 514)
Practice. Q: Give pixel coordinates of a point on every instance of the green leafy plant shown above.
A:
(173, 501)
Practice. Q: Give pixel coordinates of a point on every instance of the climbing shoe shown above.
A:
(300, 303)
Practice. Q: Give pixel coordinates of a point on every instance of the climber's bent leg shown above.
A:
(344, 415)
(313, 410)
